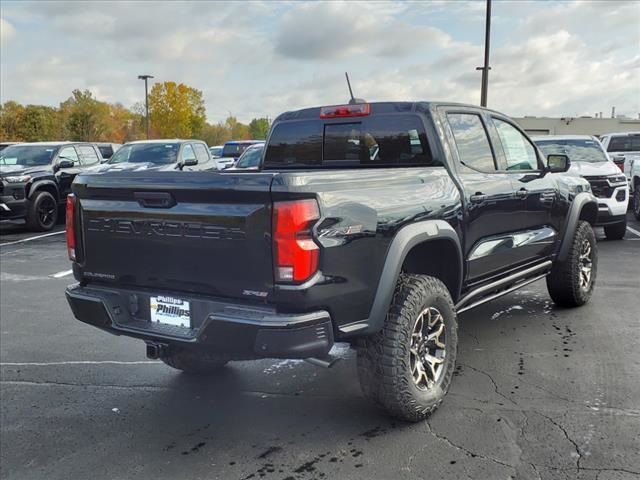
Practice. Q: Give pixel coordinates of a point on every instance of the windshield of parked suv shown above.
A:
(216, 152)
(250, 158)
(159, 153)
(28, 155)
(627, 143)
(577, 150)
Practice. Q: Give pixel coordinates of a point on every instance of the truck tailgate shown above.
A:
(201, 232)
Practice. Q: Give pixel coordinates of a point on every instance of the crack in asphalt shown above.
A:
(568, 437)
(466, 451)
(495, 385)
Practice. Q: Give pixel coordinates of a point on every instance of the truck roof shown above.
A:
(380, 107)
(536, 138)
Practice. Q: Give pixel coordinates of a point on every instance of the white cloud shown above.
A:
(262, 58)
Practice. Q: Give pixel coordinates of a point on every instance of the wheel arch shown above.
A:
(44, 185)
(432, 248)
(584, 207)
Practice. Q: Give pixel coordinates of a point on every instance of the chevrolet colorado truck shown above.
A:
(369, 223)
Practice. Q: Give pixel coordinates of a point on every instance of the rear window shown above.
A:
(106, 150)
(234, 149)
(624, 144)
(381, 140)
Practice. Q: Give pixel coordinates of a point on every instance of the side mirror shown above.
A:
(189, 162)
(64, 163)
(557, 163)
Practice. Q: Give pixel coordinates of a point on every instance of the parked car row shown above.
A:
(35, 178)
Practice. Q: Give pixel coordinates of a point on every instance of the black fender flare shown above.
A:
(37, 184)
(578, 204)
(406, 238)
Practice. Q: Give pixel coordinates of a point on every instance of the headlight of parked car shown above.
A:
(17, 179)
(617, 179)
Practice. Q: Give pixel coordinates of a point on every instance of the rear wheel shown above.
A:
(571, 281)
(636, 201)
(616, 231)
(194, 362)
(407, 367)
(42, 213)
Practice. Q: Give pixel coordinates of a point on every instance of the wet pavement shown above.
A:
(539, 393)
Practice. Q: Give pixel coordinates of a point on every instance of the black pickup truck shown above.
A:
(373, 224)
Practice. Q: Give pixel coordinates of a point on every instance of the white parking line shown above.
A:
(31, 238)
(633, 230)
(61, 274)
(77, 362)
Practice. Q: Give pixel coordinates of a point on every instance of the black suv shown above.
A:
(35, 179)
(374, 224)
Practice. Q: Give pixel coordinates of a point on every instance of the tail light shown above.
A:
(294, 251)
(352, 110)
(70, 223)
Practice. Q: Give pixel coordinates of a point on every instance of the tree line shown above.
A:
(175, 111)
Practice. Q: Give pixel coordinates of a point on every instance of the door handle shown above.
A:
(478, 197)
(154, 199)
(522, 193)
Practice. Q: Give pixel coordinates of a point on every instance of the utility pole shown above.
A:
(485, 68)
(146, 99)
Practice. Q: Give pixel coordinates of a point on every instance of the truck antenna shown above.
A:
(353, 100)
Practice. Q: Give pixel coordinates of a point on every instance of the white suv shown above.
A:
(623, 147)
(590, 161)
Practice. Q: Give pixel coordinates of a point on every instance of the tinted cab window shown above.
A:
(519, 153)
(472, 142)
(379, 140)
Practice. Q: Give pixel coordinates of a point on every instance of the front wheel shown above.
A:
(571, 281)
(616, 231)
(42, 213)
(407, 367)
(194, 362)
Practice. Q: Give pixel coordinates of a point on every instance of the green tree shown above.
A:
(176, 110)
(11, 114)
(259, 128)
(40, 123)
(87, 119)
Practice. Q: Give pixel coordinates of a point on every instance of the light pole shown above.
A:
(485, 68)
(146, 99)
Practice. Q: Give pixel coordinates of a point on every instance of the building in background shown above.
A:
(577, 125)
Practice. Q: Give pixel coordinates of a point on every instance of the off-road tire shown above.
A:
(616, 231)
(636, 200)
(35, 221)
(384, 358)
(194, 362)
(563, 283)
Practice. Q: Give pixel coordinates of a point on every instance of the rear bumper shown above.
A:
(241, 331)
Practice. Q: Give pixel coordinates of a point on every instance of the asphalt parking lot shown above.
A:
(539, 393)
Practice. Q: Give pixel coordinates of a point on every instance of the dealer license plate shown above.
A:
(170, 311)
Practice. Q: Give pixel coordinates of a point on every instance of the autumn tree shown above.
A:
(216, 134)
(239, 131)
(176, 110)
(259, 128)
(87, 118)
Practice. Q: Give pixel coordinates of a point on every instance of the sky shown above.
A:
(548, 58)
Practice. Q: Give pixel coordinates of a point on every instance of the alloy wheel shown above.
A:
(428, 348)
(585, 264)
(46, 212)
